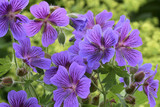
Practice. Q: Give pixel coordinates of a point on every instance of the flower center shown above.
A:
(11, 15)
(73, 87)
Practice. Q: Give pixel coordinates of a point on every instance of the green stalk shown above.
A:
(13, 53)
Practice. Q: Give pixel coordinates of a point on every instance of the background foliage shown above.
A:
(144, 15)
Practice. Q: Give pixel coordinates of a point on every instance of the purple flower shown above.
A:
(19, 99)
(101, 19)
(78, 23)
(32, 56)
(44, 18)
(96, 46)
(60, 59)
(71, 83)
(10, 17)
(74, 52)
(150, 88)
(125, 44)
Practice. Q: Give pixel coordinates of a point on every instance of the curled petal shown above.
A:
(40, 11)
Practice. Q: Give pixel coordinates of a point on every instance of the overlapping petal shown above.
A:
(36, 52)
(21, 19)
(108, 55)
(90, 19)
(125, 30)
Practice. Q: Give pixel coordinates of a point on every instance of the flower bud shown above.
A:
(138, 77)
(131, 88)
(22, 72)
(133, 70)
(7, 81)
(130, 99)
(95, 100)
(61, 38)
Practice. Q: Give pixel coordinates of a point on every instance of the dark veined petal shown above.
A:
(71, 101)
(18, 4)
(86, 48)
(4, 24)
(17, 99)
(61, 78)
(154, 88)
(59, 17)
(132, 56)
(61, 58)
(40, 11)
(119, 57)
(107, 24)
(42, 63)
(110, 37)
(31, 102)
(49, 74)
(76, 71)
(126, 27)
(83, 87)
(36, 52)
(133, 40)
(3, 7)
(49, 35)
(90, 19)
(32, 27)
(4, 105)
(21, 19)
(102, 17)
(94, 35)
(59, 95)
(17, 30)
(108, 55)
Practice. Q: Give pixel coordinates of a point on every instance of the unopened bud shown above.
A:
(133, 70)
(86, 101)
(61, 38)
(138, 77)
(130, 99)
(7, 81)
(95, 100)
(131, 88)
(22, 72)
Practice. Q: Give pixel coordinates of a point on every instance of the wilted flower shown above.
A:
(125, 44)
(97, 46)
(44, 18)
(10, 17)
(70, 83)
(32, 56)
(19, 99)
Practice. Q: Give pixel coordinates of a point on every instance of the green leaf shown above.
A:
(46, 99)
(109, 80)
(50, 87)
(27, 83)
(88, 105)
(105, 69)
(5, 65)
(126, 80)
(120, 71)
(122, 100)
(39, 70)
(117, 88)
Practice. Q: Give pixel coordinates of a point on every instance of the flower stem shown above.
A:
(13, 52)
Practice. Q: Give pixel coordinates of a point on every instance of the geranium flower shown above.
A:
(10, 17)
(44, 18)
(19, 99)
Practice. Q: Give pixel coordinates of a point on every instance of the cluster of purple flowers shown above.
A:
(98, 41)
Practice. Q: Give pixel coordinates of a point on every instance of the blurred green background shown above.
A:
(144, 15)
